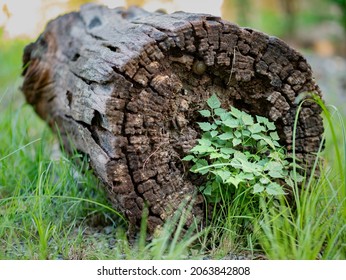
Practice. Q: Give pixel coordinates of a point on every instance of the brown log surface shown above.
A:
(125, 86)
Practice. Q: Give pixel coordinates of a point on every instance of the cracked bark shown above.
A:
(124, 87)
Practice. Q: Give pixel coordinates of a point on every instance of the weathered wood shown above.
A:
(124, 87)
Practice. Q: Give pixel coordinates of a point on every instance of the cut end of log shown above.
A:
(124, 87)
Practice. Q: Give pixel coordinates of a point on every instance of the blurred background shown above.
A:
(315, 27)
(319, 25)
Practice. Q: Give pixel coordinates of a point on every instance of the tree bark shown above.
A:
(124, 87)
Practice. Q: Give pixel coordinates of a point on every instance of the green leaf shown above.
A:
(274, 136)
(202, 149)
(271, 126)
(204, 142)
(298, 178)
(276, 144)
(249, 167)
(201, 166)
(188, 158)
(218, 155)
(257, 136)
(256, 128)
(213, 133)
(274, 166)
(264, 181)
(232, 123)
(240, 156)
(226, 136)
(246, 133)
(205, 113)
(225, 116)
(268, 141)
(227, 151)
(276, 174)
(217, 144)
(236, 142)
(247, 119)
(274, 189)
(220, 112)
(205, 126)
(234, 181)
(207, 190)
(213, 102)
(276, 156)
(237, 134)
(246, 176)
(237, 113)
(217, 122)
(262, 120)
(258, 188)
(289, 182)
(223, 174)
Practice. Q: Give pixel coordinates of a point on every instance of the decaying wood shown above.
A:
(124, 87)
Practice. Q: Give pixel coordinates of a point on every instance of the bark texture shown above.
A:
(124, 87)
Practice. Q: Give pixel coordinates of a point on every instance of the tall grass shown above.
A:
(313, 226)
(33, 191)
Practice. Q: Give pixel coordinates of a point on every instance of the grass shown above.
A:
(50, 211)
(317, 228)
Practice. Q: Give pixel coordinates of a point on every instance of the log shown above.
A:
(124, 88)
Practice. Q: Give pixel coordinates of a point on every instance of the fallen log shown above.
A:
(124, 87)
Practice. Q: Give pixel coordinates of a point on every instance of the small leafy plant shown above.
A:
(237, 151)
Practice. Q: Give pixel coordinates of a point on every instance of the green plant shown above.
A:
(237, 151)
